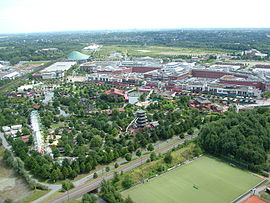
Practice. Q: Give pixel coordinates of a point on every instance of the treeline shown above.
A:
(244, 137)
(234, 40)
(18, 165)
(13, 111)
(110, 194)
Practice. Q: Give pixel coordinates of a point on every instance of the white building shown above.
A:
(12, 75)
(92, 47)
(56, 70)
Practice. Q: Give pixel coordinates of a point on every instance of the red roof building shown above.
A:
(36, 106)
(116, 93)
(254, 199)
(25, 138)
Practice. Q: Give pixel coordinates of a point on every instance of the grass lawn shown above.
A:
(217, 181)
(152, 51)
(35, 194)
(57, 125)
(264, 195)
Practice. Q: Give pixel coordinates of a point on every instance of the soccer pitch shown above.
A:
(217, 182)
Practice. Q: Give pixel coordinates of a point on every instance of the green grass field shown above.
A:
(218, 182)
(153, 51)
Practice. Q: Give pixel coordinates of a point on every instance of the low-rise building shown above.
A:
(56, 70)
(117, 93)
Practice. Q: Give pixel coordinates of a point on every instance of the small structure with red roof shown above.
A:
(116, 93)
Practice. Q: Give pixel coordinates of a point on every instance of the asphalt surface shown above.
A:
(79, 190)
(4, 142)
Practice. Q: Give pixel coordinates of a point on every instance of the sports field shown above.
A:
(217, 182)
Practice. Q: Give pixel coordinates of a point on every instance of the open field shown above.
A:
(11, 186)
(35, 194)
(152, 51)
(217, 182)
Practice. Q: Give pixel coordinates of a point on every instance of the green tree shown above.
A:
(153, 156)
(128, 156)
(138, 153)
(128, 200)
(96, 141)
(80, 140)
(127, 182)
(67, 185)
(168, 158)
(150, 147)
(54, 175)
(89, 198)
(8, 201)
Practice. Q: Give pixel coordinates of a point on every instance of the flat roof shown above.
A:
(59, 66)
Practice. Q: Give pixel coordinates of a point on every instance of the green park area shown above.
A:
(152, 51)
(204, 180)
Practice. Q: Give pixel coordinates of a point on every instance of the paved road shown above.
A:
(122, 161)
(254, 191)
(78, 191)
(4, 142)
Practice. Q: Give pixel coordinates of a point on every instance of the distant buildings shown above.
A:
(116, 56)
(56, 70)
(12, 130)
(12, 75)
(253, 53)
(204, 104)
(216, 88)
(92, 47)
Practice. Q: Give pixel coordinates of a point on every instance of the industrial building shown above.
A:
(56, 70)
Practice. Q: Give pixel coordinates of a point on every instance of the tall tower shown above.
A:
(141, 119)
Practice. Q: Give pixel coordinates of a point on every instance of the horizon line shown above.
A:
(139, 29)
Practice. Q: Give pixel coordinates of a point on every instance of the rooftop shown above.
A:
(77, 56)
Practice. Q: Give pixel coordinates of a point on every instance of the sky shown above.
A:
(20, 16)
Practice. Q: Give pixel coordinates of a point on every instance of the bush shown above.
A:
(127, 182)
(168, 158)
(128, 156)
(138, 153)
(67, 185)
(95, 175)
(153, 156)
(150, 147)
(89, 198)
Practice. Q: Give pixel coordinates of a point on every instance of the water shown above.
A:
(133, 100)
(133, 97)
